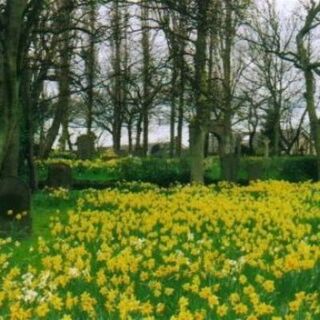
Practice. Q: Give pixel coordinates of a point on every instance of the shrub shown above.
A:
(67, 155)
(291, 169)
(162, 172)
(299, 169)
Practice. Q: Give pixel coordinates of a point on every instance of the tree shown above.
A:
(199, 124)
(273, 77)
(17, 18)
(65, 8)
(173, 24)
(309, 68)
(302, 57)
(91, 64)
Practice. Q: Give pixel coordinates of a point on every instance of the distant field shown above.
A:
(140, 252)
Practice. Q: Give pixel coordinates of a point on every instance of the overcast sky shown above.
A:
(162, 133)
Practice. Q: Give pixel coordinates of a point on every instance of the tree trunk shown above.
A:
(229, 160)
(197, 142)
(304, 57)
(29, 111)
(62, 108)
(200, 123)
(65, 137)
(138, 133)
(10, 164)
(275, 144)
(228, 157)
(206, 145)
(173, 112)
(251, 143)
(10, 109)
(118, 81)
(146, 78)
(181, 66)
(91, 66)
(130, 148)
(180, 111)
(314, 121)
(180, 124)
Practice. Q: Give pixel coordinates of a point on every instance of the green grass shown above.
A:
(44, 209)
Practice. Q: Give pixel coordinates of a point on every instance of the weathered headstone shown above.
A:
(230, 167)
(59, 176)
(156, 150)
(138, 152)
(256, 171)
(86, 146)
(15, 208)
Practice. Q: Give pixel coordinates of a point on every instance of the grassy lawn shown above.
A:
(141, 252)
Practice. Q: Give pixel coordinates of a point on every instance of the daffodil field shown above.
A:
(192, 252)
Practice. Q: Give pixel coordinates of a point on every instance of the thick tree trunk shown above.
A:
(197, 142)
(200, 123)
(304, 57)
(10, 165)
(228, 157)
(10, 109)
(28, 102)
(314, 121)
(206, 145)
(251, 143)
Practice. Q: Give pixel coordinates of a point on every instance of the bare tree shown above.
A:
(303, 58)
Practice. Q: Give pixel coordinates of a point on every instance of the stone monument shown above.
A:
(15, 208)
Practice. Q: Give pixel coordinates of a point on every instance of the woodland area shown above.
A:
(218, 67)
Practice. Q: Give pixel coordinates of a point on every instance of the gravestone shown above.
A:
(256, 171)
(15, 208)
(230, 167)
(138, 152)
(59, 176)
(86, 146)
(156, 150)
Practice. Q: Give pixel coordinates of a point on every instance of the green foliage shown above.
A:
(162, 172)
(293, 169)
(165, 172)
(299, 169)
(63, 155)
